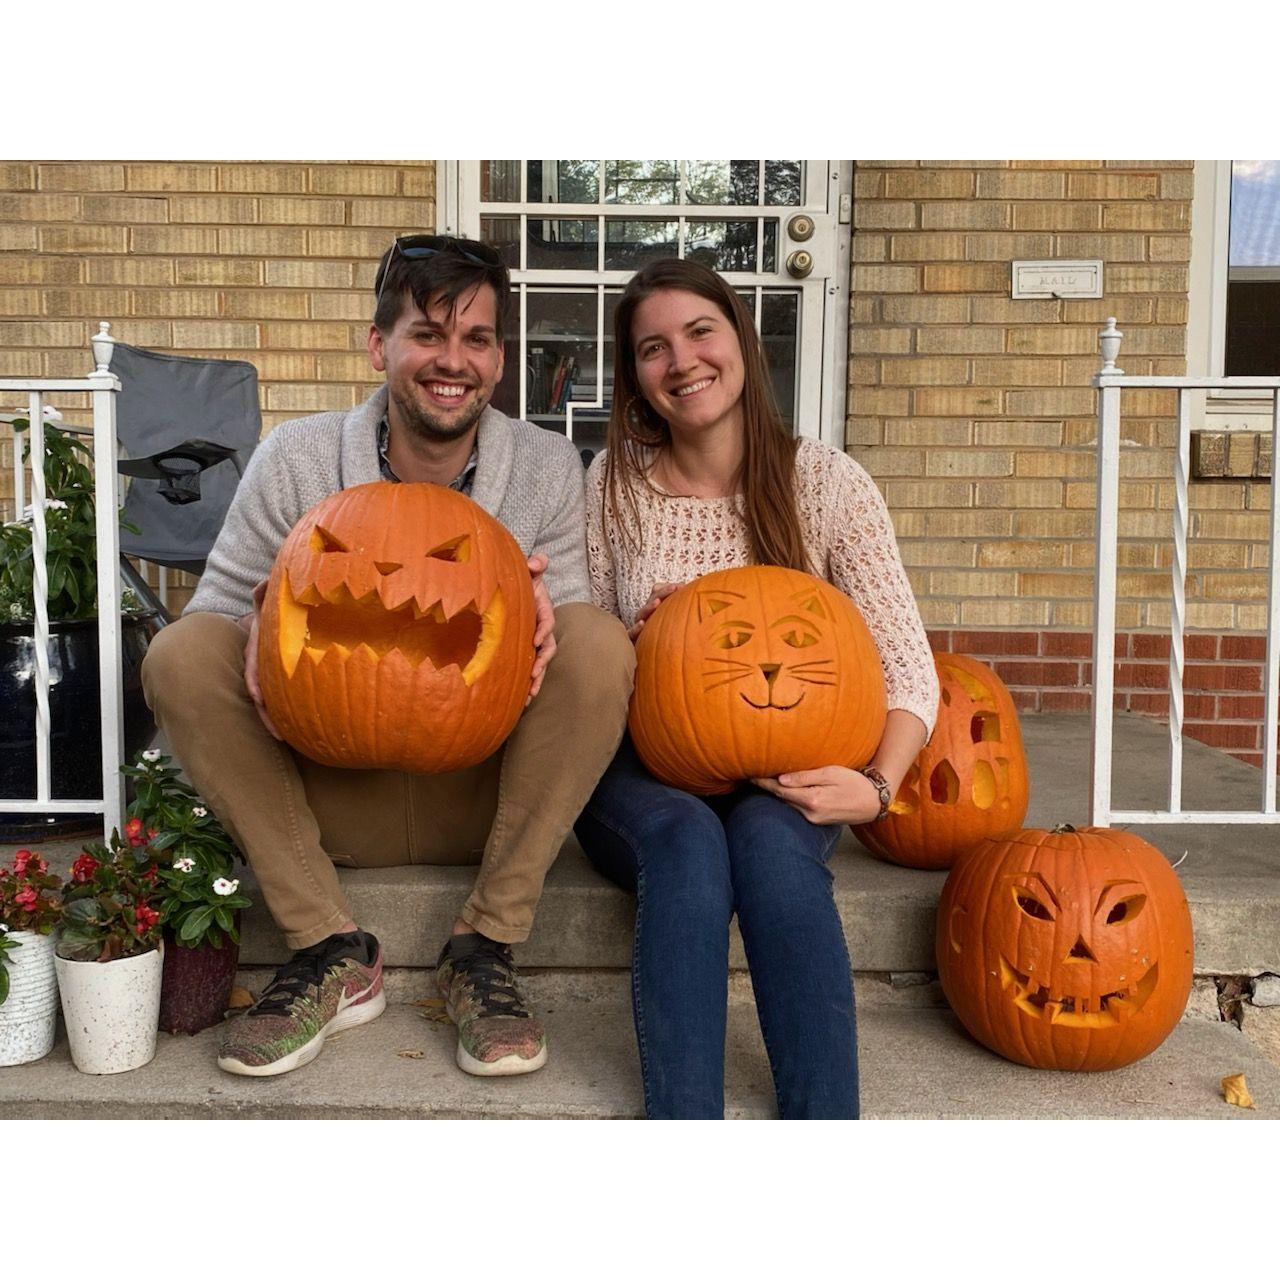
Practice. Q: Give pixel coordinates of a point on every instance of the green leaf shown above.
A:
(195, 924)
(4, 983)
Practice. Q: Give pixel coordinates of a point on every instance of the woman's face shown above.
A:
(688, 361)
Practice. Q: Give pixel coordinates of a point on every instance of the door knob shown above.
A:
(800, 227)
(800, 263)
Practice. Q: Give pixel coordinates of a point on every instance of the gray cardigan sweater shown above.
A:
(528, 478)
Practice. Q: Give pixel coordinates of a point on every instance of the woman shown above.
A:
(701, 474)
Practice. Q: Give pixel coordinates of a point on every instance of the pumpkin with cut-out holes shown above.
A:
(1066, 949)
(753, 672)
(397, 631)
(968, 782)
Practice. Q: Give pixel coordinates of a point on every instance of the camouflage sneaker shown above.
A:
(497, 1035)
(329, 987)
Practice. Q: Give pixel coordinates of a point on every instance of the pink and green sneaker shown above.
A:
(326, 988)
(497, 1035)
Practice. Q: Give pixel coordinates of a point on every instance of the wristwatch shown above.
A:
(877, 780)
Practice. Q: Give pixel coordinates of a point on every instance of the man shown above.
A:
(437, 334)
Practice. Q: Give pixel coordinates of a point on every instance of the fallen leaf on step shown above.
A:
(239, 998)
(1236, 1092)
(410, 1053)
(433, 1010)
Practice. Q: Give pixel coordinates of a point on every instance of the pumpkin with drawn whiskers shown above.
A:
(1066, 949)
(397, 631)
(753, 672)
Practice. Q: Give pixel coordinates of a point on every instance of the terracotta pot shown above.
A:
(111, 1010)
(29, 1016)
(196, 985)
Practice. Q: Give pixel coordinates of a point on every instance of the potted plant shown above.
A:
(29, 909)
(199, 893)
(108, 957)
(75, 751)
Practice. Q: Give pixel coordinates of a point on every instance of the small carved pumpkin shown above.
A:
(970, 780)
(1066, 949)
(752, 672)
(397, 631)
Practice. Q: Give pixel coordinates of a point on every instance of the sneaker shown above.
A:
(326, 988)
(497, 1035)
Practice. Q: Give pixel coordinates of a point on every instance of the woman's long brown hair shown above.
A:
(636, 431)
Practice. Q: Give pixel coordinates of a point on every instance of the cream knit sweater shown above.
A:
(847, 533)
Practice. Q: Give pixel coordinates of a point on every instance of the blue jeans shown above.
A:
(692, 863)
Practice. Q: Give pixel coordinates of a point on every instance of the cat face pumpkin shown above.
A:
(753, 672)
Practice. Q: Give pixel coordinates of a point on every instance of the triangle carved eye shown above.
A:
(386, 567)
(456, 550)
(325, 542)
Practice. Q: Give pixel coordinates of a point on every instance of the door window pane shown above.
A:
(721, 244)
(723, 182)
(780, 337)
(1253, 273)
(500, 180)
(770, 254)
(642, 182)
(563, 244)
(631, 242)
(564, 181)
(504, 235)
(782, 182)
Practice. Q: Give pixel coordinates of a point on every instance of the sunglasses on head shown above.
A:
(424, 246)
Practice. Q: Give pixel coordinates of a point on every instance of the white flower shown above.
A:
(199, 812)
(4, 928)
(184, 864)
(151, 756)
(225, 888)
(54, 504)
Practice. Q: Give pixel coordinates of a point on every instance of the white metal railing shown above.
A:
(1110, 382)
(102, 386)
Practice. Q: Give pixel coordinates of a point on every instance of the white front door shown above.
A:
(573, 232)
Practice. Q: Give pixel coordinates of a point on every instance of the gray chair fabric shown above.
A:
(165, 402)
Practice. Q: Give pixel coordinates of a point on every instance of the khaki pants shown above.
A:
(294, 818)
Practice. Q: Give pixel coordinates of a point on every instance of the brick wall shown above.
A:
(267, 262)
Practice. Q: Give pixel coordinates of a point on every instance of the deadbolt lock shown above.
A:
(800, 227)
(800, 263)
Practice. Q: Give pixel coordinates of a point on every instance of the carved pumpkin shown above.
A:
(397, 631)
(970, 780)
(1066, 949)
(753, 672)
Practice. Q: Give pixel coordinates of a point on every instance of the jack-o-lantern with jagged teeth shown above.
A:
(397, 631)
(1066, 949)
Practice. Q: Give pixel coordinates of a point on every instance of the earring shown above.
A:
(632, 420)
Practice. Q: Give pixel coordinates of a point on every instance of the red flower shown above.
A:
(143, 918)
(25, 861)
(133, 832)
(152, 833)
(28, 899)
(149, 874)
(83, 867)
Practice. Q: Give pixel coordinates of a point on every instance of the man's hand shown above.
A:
(826, 796)
(544, 631)
(661, 590)
(250, 623)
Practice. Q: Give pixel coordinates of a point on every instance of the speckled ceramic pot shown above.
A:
(29, 1016)
(112, 1011)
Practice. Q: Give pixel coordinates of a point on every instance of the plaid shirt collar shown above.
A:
(462, 483)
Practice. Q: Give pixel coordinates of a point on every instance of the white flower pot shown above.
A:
(111, 1010)
(29, 1016)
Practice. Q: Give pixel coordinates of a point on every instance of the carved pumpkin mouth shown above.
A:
(1037, 1001)
(340, 625)
(772, 706)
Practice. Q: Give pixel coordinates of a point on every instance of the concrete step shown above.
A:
(915, 1062)
(1231, 873)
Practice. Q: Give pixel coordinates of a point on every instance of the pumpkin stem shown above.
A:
(1063, 828)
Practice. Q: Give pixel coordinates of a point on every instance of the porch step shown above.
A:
(1231, 874)
(915, 1062)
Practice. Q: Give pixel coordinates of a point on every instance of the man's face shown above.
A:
(441, 369)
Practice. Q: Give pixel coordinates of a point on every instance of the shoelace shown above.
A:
(292, 981)
(490, 975)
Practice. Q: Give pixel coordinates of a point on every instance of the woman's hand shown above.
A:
(544, 632)
(826, 796)
(661, 590)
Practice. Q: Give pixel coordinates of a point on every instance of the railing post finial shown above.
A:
(103, 344)
(1109, 338)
